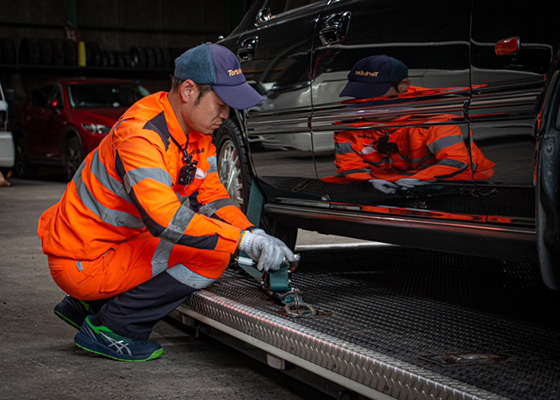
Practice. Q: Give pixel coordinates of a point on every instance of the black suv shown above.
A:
(464, 160)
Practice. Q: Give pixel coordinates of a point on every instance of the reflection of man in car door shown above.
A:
(401, 158)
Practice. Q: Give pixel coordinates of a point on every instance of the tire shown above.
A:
(167, 58)
(160, 63)
(22, 166)
(73, 156)
(47, 51)
(119, 59)
(150, 57)
(93, 54)
(138, 57)
(235, 174)
(59, 52)
(111, 60)
(104, 59)
(127, 60)
(29, 51)
(72, 53)
(233, 163)
(7, 51)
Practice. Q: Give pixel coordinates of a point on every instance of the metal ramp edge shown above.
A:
(361, 370)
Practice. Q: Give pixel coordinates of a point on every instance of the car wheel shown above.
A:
(233, 163)
(235, 174)
(23, 167)
(73, 156)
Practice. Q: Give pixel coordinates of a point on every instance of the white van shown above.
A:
(6, 141)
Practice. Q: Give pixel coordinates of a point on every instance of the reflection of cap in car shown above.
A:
(214, 65)
(373, 76)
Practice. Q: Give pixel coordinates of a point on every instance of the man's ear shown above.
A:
(186, 90)
(403, 85)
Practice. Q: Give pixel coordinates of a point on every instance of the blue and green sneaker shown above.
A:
(103, 341)
(72, 311)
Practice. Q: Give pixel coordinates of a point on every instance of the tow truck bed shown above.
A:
(399, 323)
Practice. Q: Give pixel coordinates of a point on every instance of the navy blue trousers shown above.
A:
(133, 314)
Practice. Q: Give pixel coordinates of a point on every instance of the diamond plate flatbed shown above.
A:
(403, 323)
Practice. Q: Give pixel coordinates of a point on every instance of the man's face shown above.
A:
(206, 115)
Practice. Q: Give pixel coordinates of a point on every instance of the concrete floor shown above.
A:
(38, 358)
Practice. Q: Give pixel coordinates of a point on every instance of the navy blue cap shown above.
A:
(373, 76)
(215, 65)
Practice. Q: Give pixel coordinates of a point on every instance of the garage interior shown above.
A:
(119, 39)
(415, 315)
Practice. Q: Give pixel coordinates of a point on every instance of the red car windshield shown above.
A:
(105, 95)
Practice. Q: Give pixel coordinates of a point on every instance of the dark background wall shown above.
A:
(136, 39)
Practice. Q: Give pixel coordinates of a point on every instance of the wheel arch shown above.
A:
(232, 131)
(254, 196)
(71, 133)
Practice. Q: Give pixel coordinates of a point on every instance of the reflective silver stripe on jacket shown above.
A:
(343, 148)
(354, 171)
(134, 176)
(161, 256)
(453, 163)
(176, 228)
(113, 185)
(169, 237)
(211, 208)
(178, 224)
(107, 215)
(442, 143)
(418, 161)
(188, 277)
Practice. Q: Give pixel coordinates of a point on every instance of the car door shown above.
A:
(275, 57)
(512, 51)
(35, 120)
(432, 40)
(55, 127)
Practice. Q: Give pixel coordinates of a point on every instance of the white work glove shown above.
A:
(268, 251)
(384, 186)
(409, 183)
(260, 232)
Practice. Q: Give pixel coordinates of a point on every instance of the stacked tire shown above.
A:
(154, 57)
(34, 51)
(7, 52)
(42, 51)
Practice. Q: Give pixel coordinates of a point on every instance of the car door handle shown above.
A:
(335, 28)
(246, 49)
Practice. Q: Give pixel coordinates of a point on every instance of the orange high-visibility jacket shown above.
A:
(430, 153)
(129, 185)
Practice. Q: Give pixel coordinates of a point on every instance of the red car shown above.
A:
(62, 120)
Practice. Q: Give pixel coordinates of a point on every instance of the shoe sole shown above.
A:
(67, 320)
(83, 342)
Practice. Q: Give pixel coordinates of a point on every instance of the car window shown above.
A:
(104, 95)
(40, 97)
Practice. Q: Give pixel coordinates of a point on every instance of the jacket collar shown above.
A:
(175, 127)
